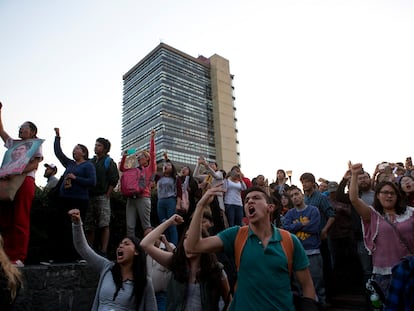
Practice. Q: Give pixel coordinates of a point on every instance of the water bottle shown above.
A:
(375, 301)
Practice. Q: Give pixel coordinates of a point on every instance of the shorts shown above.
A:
(98, 214)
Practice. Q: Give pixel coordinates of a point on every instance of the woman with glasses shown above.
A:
(388, 226)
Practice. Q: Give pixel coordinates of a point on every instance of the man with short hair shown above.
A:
(315, 198)
(98, 215)
(304, 221)
(263, 277)
(50, 173)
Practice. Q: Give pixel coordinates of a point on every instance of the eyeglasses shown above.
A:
(386, 193)
(24, 127)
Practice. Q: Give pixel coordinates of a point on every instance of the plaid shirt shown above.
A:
(401, 291)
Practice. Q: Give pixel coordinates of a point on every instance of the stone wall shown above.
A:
(57, 287)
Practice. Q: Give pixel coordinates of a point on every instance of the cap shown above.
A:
(332, 186)
(51, 165)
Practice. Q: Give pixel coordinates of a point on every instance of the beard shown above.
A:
(364, 187)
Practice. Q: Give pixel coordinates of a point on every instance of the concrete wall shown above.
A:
(57, 287)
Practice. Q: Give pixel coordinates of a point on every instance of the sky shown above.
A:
(317, 83)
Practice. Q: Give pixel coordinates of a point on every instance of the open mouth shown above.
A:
(119, 253)
(251, 210)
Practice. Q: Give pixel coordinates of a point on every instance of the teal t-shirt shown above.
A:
(263, 281)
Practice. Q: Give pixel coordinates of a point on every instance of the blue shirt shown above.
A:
(322, 203)
(401, 291)
(307, 233)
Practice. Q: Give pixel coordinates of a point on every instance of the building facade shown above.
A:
(188, 101)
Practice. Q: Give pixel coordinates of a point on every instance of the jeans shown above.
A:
(165, 209)
(161, 298)
(234, 214)
(365, 260)
(316, 271)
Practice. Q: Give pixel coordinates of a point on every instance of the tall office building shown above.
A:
(188, 101)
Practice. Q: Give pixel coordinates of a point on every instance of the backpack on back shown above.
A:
(241, 238)
(132, 182)
(301, 303)
(286, 243)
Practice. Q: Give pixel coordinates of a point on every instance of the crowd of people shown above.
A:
(183, 249)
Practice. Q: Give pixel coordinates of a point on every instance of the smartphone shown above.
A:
(131, 151)
(408, 162)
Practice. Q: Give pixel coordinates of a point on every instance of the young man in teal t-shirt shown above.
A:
(263, 277)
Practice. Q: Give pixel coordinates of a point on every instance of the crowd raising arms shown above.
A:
(387, 212)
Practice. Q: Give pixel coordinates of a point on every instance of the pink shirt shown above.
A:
(384, 243)
(148, 171)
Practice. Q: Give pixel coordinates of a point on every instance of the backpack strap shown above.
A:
(107, 163)
(286, 243)
(239, 242)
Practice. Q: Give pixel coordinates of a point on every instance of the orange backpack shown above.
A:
(286, 242)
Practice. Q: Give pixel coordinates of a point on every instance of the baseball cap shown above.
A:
(332, 186)
(52, 166)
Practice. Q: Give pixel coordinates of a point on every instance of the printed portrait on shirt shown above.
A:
(18, 156)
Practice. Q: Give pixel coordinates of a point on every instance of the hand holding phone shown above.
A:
(408, 163)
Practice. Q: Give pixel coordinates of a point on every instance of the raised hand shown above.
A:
(356, 169)
(74, 215)
(209, 195)
(175, 219)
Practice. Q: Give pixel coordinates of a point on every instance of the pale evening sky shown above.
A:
(317, 83)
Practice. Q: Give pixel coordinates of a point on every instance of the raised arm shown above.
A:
(148, 242)
(122, 167)
(3, 133)
(341, 196)
(81, 245)
(360, 206)
(195, 243)
(196, 174)
(63, 159)
(153, 161)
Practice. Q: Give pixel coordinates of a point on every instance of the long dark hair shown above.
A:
(85, 151)
(399, 207)
(173, 171)
(210, 270)
(139, 271)
(404, 196)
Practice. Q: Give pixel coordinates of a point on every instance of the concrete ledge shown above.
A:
(57, 287)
